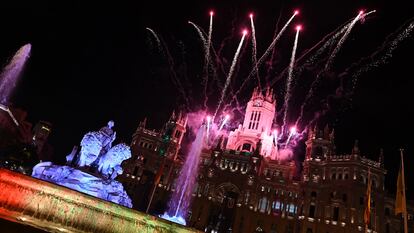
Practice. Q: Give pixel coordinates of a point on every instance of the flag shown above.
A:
(400, 195)
(367, 213)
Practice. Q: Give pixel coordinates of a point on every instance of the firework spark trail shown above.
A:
(200, 33)
(163, 47)
(226, 118)
(290, 77)
(228, 38)
(385, 58)
(183, 71)
(341, 41)
(344, 37)
(233, 65)
(345, 31)
(275, 138)
(208, 128)
(272, 45)
(311, 61)
(254, 51)
(215, 76)
(389, 48)
(291, 134)
(156, 38)
(333, 35)
(272, 55)
(207, 59)
(174, 77)
(288, 140)
(203, 36)
(206, 47)
(214, 73)
(264, 56)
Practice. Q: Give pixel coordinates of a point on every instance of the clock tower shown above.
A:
(257, 125)
(260, 112)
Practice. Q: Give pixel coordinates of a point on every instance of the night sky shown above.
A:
(92, 62)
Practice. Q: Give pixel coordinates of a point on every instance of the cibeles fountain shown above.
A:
(81, 196)
(93, 169)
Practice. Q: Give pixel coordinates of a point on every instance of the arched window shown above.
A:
(346, 176)
(276, 205)
(263, 204)
(312, 211)
(246, 197)
(387, 211)
(206, 189)
(195, 189)
(335, 213)
(246, 147)
(273, 228)
(318, 151)
(291, 208)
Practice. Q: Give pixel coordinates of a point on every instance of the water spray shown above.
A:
(12, 71)
(180, 201)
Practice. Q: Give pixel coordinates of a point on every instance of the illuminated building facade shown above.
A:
(16, 150)
(14, 128)
(151, 150)
(41, 133)
(244, 185)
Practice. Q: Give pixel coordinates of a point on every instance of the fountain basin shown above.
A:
(54, 208)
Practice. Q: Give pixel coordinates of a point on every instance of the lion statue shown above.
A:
(110, 163)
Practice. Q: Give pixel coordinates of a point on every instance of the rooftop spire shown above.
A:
(332, 136)
(355, 150)
(172, 117)
(326, 132)
(143, 123)
(381, 157)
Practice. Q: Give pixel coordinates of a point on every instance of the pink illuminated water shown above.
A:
(11, 73)
(181, 198)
